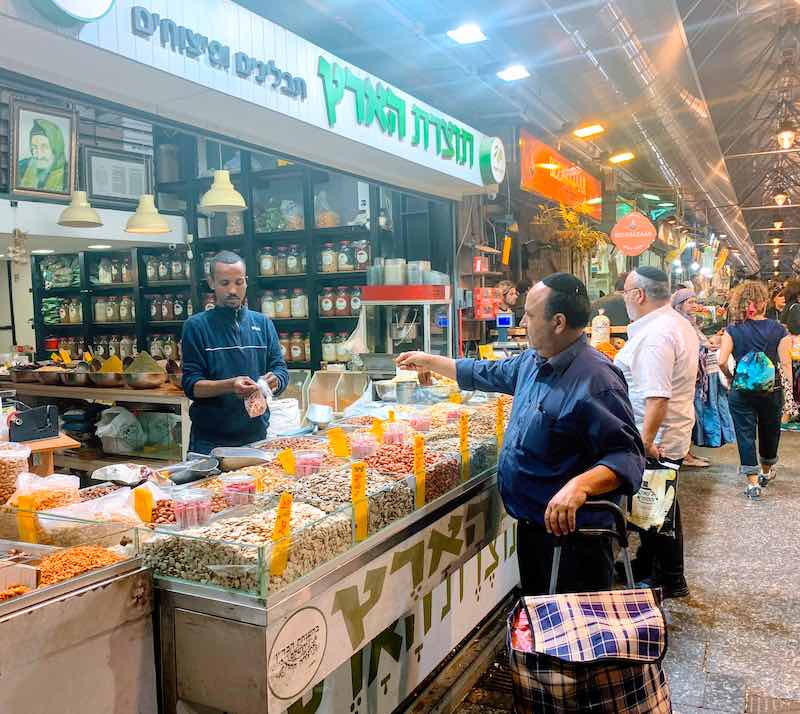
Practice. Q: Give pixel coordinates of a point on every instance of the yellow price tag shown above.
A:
(339, 443)
(455, 398)
(501, 424)
(506, 250)
(487, 352)
(287, 460)
(358, 494)
(377, 429)
(281, 535)
(391, 418)
(463, 433)
(65, 356)
(143, 503)
(419, 469)
(27, 524)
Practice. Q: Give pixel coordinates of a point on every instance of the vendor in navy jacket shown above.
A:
(225, 351)
(571, 436)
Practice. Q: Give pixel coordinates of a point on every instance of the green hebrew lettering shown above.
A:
(376, 105)
(388, 641)
(447, 132)
(468, 140)
(427, 613)
(439, 543)
(397, 113)
(420, 119)
(438, 124)
(495, 560)
(414, 556)
(354, 612)
(473, 511)
(449, 597)
(333, 82)
(409, 623)
(313, 705)
(358, 87)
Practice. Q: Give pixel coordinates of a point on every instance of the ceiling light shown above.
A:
(222, 197)
(666, 204)
(79, 213)
(584, 132)
(775, 251)
(513, 72)
(147, 220)
(676, 262)
(549, 165)
(706, 272)
(622, 157)
(780, 198)
(695, 266)
(679, 271)
(594, 201)
(776, 263)
(99, 246)
(786, 135)
(777, 224)
(775, 241)
(651, 197)
(42, 251)
(2, 255)
(723, 235)
(467, 34)
(776, 273)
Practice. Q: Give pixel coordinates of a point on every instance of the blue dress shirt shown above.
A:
(571, 413)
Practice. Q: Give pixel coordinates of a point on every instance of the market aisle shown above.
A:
(740, 629)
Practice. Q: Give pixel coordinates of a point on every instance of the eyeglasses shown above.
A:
(630, 290)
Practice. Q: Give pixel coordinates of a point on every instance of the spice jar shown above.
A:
(189, 306)
(170, 348)
(328, 258)
(113, 346)
(126, 347)
(343, 353)
(75, 311)
(125, 305)
(299, 306)
(127, 274)
(345, 257)
(327, 302)
(167, 308)
(303, 261)
(101, 347)
(307, 346)
(100, 309)
(280, 261)
(112, 310)
(297, 348)
(151, 268)
(155, 308)
(283, 308)
(362, 254)
(104, 271)
(157, 347)
(176, 267)
(116, 270)
(209, 301)
(293, 265)
(355, 300)
(328, 348)
(283, 339)
(342, 302)
(187, 268)
(207, 258)
(268, 304)
(179, 307)
(63, 312)
(266, 262)
(163, 267)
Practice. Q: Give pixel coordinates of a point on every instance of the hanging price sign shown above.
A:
(281, 535)
(287, 460)
(339, 442)
(419, 469)
(358, 495)
(377, 429)
(463, 445)
(501, 424)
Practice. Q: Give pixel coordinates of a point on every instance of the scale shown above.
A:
(505, 346)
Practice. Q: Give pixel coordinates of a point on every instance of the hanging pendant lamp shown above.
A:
(147, 219)
(780, 198)
(79, 213)
(222, 197)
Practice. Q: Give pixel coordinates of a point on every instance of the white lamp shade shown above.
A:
(79, 213)
(147, 219)
(222, 197)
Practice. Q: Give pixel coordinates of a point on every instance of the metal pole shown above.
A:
(769, 152)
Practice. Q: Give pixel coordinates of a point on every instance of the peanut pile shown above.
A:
(72, 562)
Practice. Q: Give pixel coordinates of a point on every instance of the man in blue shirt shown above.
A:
(571, 435)
(225, 351)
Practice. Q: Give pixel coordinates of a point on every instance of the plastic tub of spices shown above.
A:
(239, 488)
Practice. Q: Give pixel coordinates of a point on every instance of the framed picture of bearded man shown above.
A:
(43, 150)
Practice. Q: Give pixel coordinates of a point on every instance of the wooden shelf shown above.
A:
(166, 284)
(113, 288)
(276, 278)
(67, 328)
(165, 323)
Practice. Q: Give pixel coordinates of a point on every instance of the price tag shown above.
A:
(65, 356)
(26, 520)
(281, 535)
(391, 418)
(486, 352)
(358, 494)
(419, 469)
(143, 503)
(455, 398)
(501, 424)
(339, 443)
(287, 460)
(506, 250)
(463, 445)
(377, 430)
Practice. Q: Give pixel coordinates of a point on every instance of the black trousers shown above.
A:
(587, 564)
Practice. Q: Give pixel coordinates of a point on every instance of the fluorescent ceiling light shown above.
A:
(594, 201)
(42, 251)
(622, 157)
(651, 197)
(584, 132)
(467, 34)
(723, 235)
(99, 246)
(513, 72)
(666, 204)
(679, 271)
(775, 251)
(776, 263)
(695, 266)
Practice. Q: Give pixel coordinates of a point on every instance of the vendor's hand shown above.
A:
(243, 387)
(654, 451)
(272, 382)
(419, 361)
(560, 516)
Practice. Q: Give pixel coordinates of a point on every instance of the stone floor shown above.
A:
(739, 631)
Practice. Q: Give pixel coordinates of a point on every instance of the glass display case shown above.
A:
(213, 156)
(340, 200)
(278, 204)
(395, 328)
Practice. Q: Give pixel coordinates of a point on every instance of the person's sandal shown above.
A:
(765, 479)
(693, 462)
(753, 491)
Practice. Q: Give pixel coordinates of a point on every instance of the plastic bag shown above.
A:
(364, 406)
(125, 473)
(284, 416)
(256, 404)
(159, 428)
(118, 423)
(47, 491)
(356, 344)
(653, 505)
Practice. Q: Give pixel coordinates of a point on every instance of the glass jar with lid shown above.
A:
(355, 300)
(113, 346)
(63, 312)
(101, 347)
(104, 271)
(167, 308)
(126, 347)
(125, 305)
(345, 257)
(151, 268)
(112, 309)
(189, 306)
(293, 263)
(307, 346)
(164, 267)
(297, 349)
(155, 308)
(170, 348)
(283, 308)
(187, 268)
(328, 348)
(266, 262)
(327, 302)
(303, 267)
(268, 304)
(100, 309)
(362, 254)
(328, 258)
(209, 301)
(207, 258)
(299, 304)
(342, 348)
(342, 308)
(179, 307)
(127, 273)
(283, 339)
(116, 270)
(281, 261)
(176, 267)
(156, 347)
(75, 311)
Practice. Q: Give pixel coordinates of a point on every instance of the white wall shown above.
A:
(5, 308)
(23, 303)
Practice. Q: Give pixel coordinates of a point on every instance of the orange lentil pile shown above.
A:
(75, 561)
(13, 591)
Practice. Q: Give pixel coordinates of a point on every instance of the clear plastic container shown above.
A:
(308, 462)
(394, 433)
(394, 272)
(362, 446)
(192, 508)
(13, 462)
(421, 422)
(239, 488)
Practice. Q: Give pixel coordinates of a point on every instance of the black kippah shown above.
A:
(565, 283)
(654, 274)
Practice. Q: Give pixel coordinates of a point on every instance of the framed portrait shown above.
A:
(117, 176)
(43, 148)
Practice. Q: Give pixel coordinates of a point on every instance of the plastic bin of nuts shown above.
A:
(13, 462)
(483, 453)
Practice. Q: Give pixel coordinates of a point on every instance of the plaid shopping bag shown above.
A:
(589, 652)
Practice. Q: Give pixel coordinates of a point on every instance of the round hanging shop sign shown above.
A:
(492, 161)
(297, 653)
(633, 234)
(70, 12)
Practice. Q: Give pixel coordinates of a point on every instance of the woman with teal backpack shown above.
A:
(761, 348)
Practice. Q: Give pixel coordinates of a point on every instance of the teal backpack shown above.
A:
(754, 373)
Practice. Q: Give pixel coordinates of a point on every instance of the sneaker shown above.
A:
(753, 491)
(765, 479)
(679, 588)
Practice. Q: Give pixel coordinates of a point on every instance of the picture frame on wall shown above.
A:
(118, 176)
(43, 150)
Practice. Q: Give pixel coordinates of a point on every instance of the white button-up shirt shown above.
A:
(660, 360)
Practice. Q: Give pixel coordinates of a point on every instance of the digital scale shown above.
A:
(505, 346)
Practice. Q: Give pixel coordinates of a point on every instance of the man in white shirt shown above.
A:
(659, 362)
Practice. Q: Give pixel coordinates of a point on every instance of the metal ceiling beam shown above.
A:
(771, 207)
(766, 152)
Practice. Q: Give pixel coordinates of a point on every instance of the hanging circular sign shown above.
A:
(492, 160)
(69, 12)
(633, 234)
